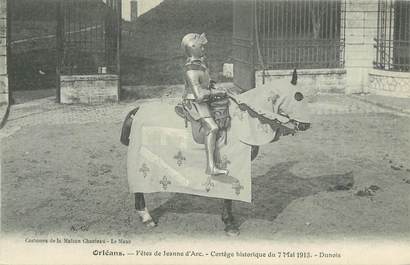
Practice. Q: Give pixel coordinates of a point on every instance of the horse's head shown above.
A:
(282, 99)
(287, 100)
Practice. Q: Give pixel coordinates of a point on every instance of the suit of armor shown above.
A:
(197, 93)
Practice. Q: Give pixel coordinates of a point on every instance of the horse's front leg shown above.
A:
(142, 210)
(231, 228)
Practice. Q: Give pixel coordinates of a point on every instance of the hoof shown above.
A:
(149, 223)
(146, 218)
(232, 230)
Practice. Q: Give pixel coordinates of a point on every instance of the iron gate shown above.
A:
(31, 46)
(88, 37)
(286, 34)
(243, 44)
(299, 34)
(393, 35)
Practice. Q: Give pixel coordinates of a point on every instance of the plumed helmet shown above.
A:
(192, 42)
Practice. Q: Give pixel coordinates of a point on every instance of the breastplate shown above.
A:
(201, 74)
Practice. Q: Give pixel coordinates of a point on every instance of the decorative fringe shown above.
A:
(274, 124)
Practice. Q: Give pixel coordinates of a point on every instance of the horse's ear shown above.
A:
(294, 77)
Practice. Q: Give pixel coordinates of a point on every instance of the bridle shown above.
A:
(298, 126)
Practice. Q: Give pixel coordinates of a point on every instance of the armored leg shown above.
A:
(210, 147)
(220, 141)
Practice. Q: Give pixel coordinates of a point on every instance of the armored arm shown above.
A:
(193, 78)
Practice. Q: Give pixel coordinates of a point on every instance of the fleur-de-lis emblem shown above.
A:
(223, 164)
(165, 182)
(180, 158)
(208, 184)
(237, 187)
(144, 169)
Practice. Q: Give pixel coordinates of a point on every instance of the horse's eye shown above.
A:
(298, 96)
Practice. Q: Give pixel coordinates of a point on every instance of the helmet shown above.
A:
(192, 44)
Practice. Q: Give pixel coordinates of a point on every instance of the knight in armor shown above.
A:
(199, 90)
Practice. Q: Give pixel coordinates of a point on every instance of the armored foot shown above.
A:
(216, 171)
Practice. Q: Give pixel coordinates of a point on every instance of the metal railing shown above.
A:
(88, 36)
(393, 35)
(299, 34)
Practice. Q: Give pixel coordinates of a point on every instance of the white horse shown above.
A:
(258, 116)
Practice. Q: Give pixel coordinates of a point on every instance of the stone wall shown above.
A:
(89, 89)
(4, 86)
(361, 29)
(310, 81)
(388, 83)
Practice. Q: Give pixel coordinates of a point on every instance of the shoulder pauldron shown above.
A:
(194, 66)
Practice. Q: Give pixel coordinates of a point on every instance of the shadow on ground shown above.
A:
(272, 193)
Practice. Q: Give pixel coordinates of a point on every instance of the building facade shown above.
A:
(4, 84)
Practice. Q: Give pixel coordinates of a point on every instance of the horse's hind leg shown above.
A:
(139, 201)
(231, 228)
(142, 210)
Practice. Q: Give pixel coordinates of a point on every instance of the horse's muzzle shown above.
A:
(302, 126)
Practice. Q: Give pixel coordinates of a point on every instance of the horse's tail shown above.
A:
(126, 127)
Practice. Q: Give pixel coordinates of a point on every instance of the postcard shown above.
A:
(204, 132)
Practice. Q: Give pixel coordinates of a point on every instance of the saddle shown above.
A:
(219, 108)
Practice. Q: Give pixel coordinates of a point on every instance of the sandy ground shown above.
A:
(349, 176)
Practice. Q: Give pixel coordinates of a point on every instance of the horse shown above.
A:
(280, 107)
